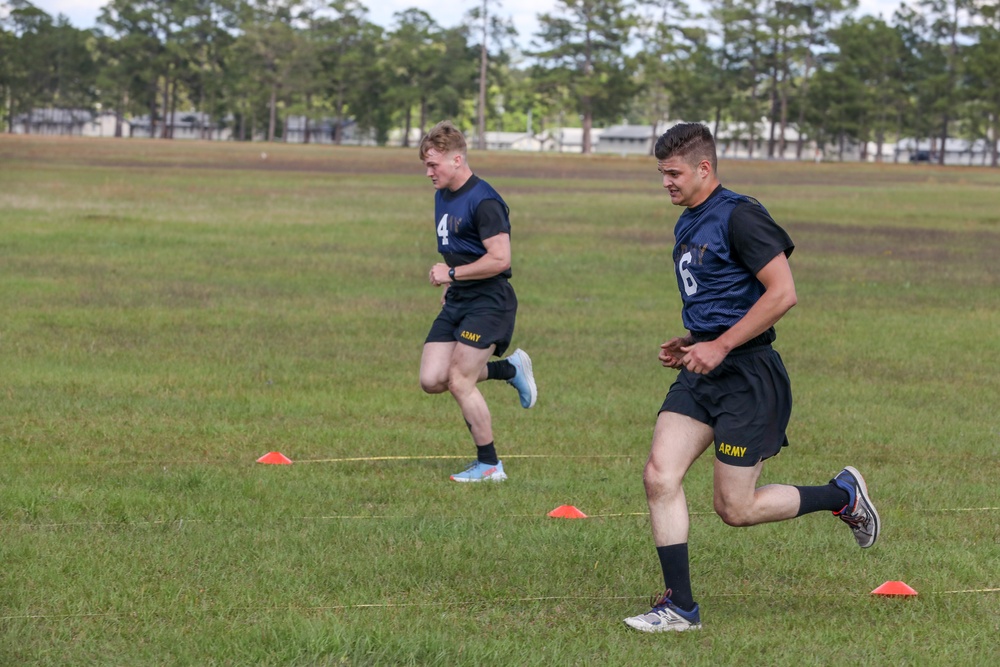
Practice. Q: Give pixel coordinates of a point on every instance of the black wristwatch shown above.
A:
(451, 274)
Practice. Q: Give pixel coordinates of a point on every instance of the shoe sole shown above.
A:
(642, 626)
(491, 478)
(499, 477)
(526, 367)
(869, 507)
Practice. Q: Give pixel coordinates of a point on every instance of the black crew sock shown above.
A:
(677, 574)
(487, 454)
(817, 498)
(500, 370)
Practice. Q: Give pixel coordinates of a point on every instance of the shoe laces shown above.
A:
(855, 520)
(661, 599)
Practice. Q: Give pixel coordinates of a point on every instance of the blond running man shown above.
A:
(479, 306)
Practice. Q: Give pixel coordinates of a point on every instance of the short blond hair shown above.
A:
(444, 138)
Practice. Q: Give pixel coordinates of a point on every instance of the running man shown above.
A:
(478, 304)
(732, 392)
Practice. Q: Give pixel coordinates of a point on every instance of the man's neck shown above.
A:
(463, 179)
(706, 192)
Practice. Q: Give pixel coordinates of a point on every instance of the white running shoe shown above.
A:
(665, 616)
(524, 379)
(481, 472)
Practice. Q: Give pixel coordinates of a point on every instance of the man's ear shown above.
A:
(704, 168)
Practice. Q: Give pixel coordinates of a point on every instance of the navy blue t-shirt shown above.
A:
(719, 247)
(464, 219)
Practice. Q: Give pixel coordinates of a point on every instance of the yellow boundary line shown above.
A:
(363, 459)
(372, 517)
(180, 523)
(376, 517)
(393, 605)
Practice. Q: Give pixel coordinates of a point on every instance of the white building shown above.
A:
(733, 141)
(509, 141)
(321, 131)
(186, 125)
(105, 124)
(570, 139)
(58, 122)
(628, 139)
(395, 137)
(957, 151)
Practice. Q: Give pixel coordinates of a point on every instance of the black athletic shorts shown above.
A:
(477, 318)
(747, 400)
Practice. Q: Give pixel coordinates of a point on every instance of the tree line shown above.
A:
(931, 72)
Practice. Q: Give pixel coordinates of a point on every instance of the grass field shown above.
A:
(173, 311)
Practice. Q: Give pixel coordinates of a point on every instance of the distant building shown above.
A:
(509, 141)
(956, 151)
(58, 122)
(105, 124)
(628, 140)
(733, 141)
(395, 137)
(321, 131)
(570, 139)
(186, 125)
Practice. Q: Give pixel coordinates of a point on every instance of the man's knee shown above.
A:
(732, 514)
(660, 482)
(433, 384)
(458, 384)
(735, 494)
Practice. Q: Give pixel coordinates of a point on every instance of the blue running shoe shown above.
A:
(859, 512)
(524, 379)
(665, 616)
(481, 472)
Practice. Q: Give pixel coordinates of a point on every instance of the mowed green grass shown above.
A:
(173, 311)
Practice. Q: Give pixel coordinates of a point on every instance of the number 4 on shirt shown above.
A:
(442, 229)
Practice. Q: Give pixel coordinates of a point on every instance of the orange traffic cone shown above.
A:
(894, 588)
(567, 512)
(275, 458)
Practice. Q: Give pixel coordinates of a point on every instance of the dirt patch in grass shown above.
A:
(928, 245)
(144, 153)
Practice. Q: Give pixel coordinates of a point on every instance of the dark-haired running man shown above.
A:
(732, 392)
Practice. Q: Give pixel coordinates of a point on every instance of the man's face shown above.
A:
(684, 183)
(442, 168)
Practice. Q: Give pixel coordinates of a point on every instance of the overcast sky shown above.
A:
(448, 13)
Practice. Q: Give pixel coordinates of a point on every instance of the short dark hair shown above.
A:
(691, 141)
(443, 137)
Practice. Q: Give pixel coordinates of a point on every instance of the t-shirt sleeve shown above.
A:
(755, 238)
(491, 218)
